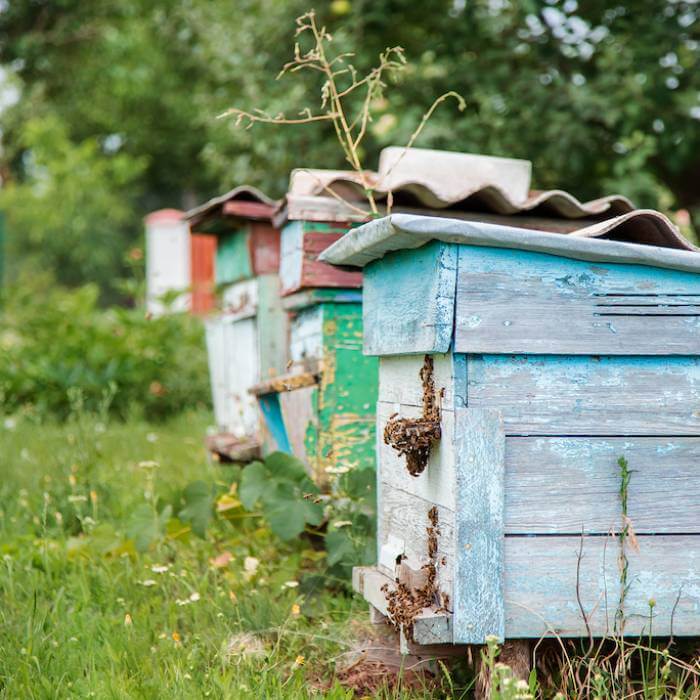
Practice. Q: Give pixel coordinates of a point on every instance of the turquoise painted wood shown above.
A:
(550, 369)
(410, 294)
(480, 467)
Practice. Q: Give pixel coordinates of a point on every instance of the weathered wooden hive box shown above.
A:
(517, 369)
(322, 408)
(247, 336)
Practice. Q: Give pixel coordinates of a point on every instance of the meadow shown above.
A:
(99, 599)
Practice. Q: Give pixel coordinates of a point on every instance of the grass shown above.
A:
(84, 614)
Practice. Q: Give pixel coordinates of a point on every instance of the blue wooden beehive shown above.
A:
(530, 363)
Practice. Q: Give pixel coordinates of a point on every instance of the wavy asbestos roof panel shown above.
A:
(596, 243)
(245, 201)
(439, 180)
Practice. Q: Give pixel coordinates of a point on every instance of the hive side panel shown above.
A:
(409, 301)
(478, 591)
(402, 530)
(436, 483)
(291, 256)
(564, 485)
(233, 261)
(542, 594)
(273, 327)
(242, 372)
(347, 392)
(306, 335)
(575, 395)
(512, 301)
(214, 329)
(400, 382)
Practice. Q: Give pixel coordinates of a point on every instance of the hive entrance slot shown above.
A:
(413, 437)
(616, 304)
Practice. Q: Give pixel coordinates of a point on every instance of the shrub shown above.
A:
(56, 344)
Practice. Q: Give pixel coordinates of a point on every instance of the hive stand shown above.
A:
(553, 357)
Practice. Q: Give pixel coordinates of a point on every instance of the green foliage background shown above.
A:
(111, 107)
(59, 349)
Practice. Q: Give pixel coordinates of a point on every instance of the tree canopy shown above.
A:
(109, 109)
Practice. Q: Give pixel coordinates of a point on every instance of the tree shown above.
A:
(600, 97)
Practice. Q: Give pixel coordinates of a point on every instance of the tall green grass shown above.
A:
(84, 614)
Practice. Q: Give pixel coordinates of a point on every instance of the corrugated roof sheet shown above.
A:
(247, 194)
(604, 242)
(439, 180)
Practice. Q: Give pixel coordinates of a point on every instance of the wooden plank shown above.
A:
(202, 256)
(436, 483)
(247, 209)
(242, 371)
(275, 429)
(320, 274)
(311, 297)
(399, 379)
(273, 327)
(540, 588)
(403, 518)
(240, 300)
(478, 589)
(408, 301)
(306, 335)
(522, 302)
(428, 627)
(214, 335)
(301, 244)
(233, 261)
(577, 395)
(571, 485)
(265, 248)
(291, 255)
(300, 415)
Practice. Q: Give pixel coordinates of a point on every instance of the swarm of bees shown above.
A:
(413, 437)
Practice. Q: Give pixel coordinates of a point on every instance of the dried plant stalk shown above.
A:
(340, 82)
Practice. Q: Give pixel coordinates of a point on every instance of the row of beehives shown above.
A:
(516, 367)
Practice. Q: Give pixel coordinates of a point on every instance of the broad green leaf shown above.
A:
(198, 510)
(340, 547)
(285, 466)
(145, 526)
(286, 519)
(254, 481)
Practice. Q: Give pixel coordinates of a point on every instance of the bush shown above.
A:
(59, 344)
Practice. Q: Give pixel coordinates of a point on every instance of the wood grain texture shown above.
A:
(301, 244)
(272, 326)
(404, 517)
(306, 335)
(300, 417)
(240, 300)
(577, 395)
(399, 379)
(571, 485)
(233, 261)
(428, 627)
(540, 586)
(291, 256)
(202, 261)
(478, 589)
(264, 248)
(408, 301)
(233, 364)
(436, 483)
(522, 302)
(315, 273)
